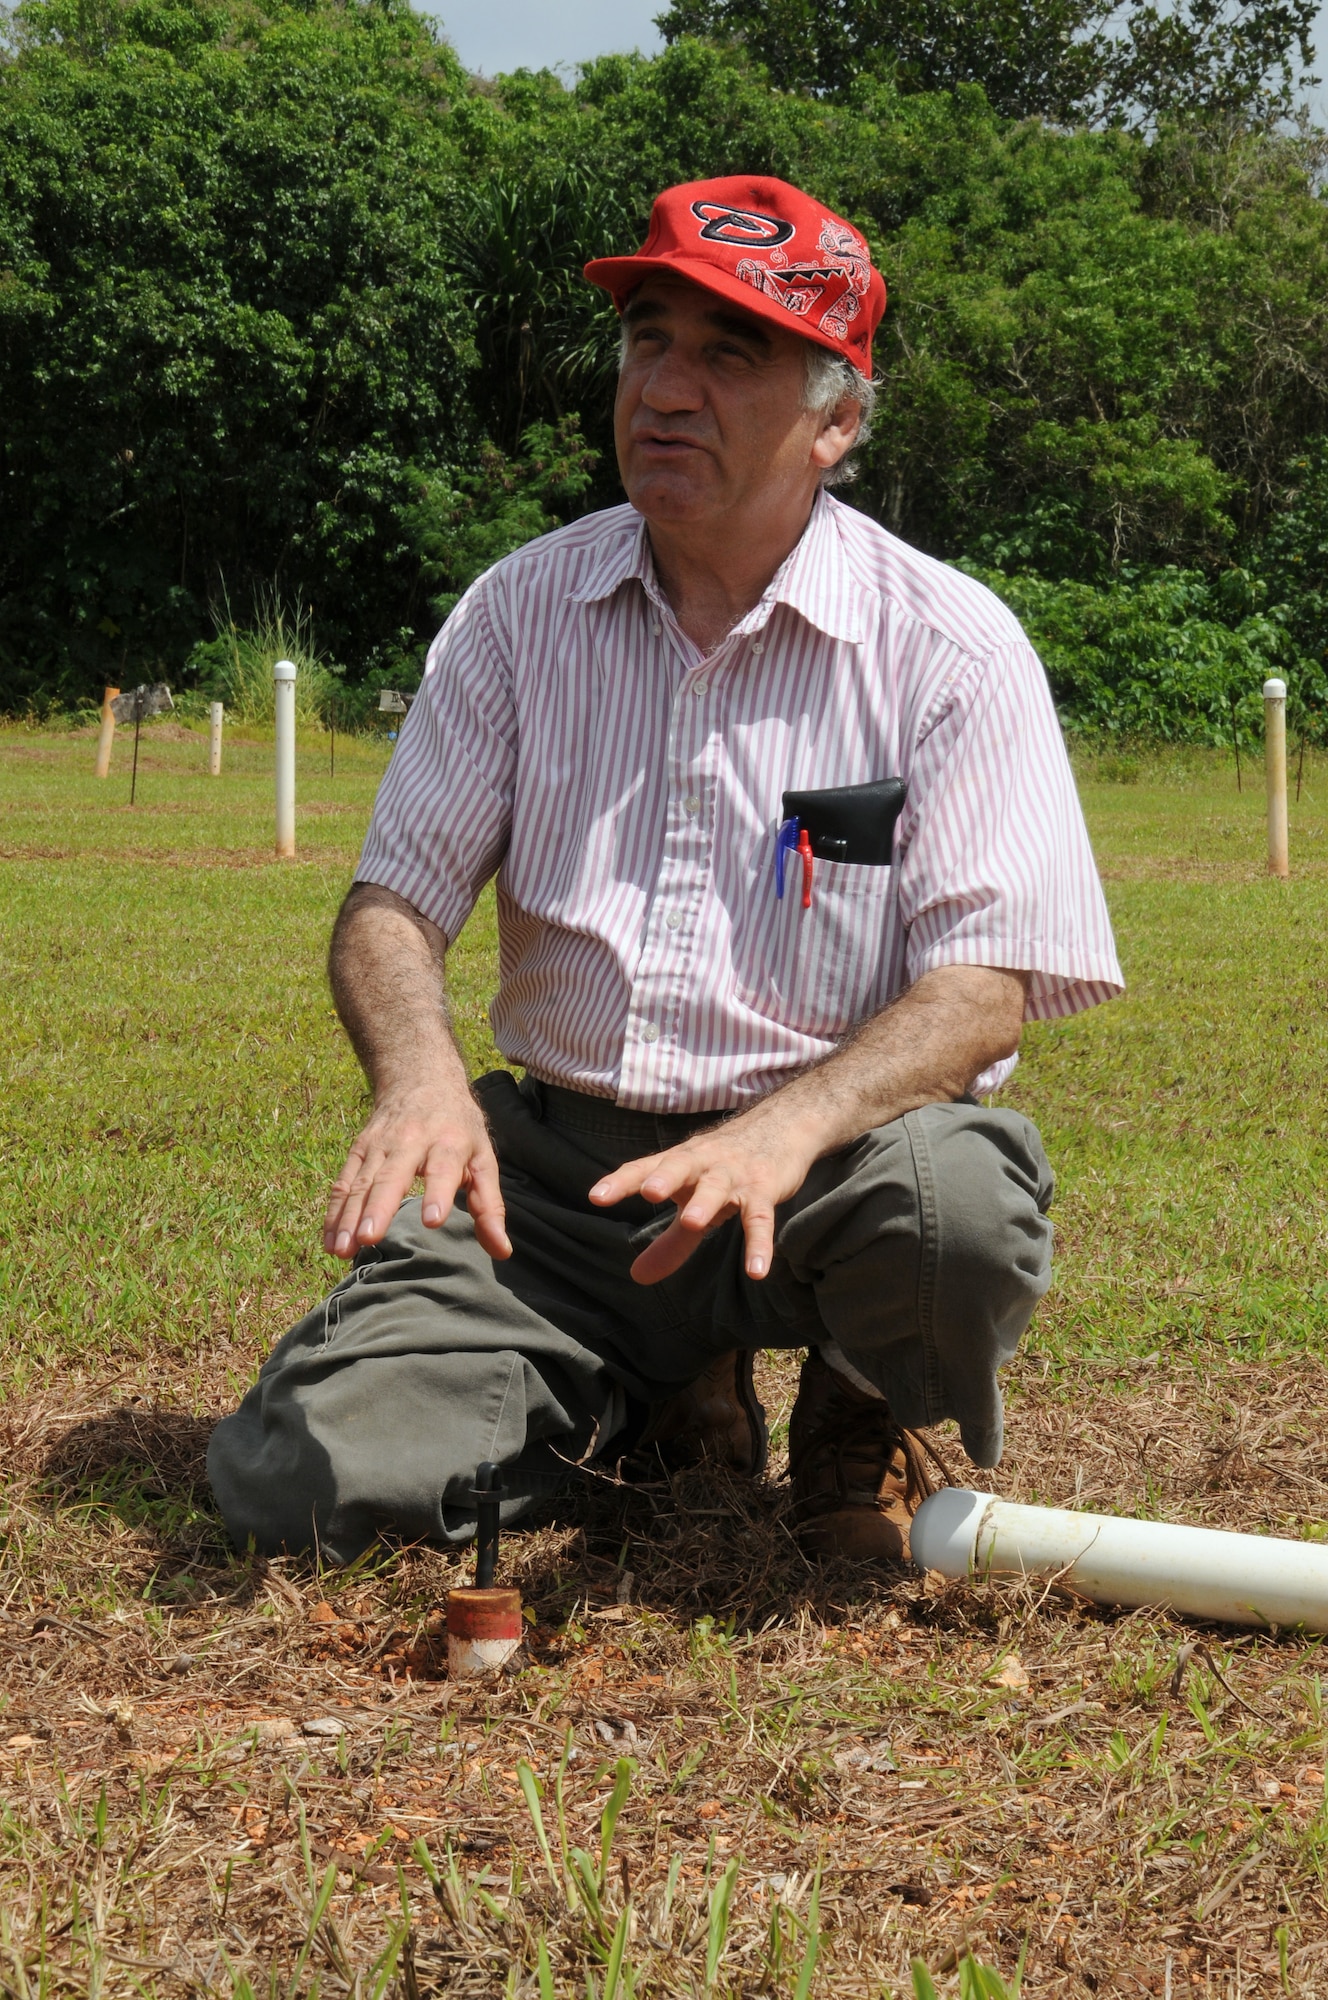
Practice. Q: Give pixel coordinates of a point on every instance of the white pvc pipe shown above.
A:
(1203, 1572)
(216, 710)
(1275, 769)
(284, 675)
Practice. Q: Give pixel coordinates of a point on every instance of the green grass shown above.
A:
(177, 1093)
(1187, 1120)
(176, 1090)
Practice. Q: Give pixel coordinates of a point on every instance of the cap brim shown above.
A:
(620, 276)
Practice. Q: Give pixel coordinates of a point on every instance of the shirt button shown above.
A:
(650, 1033)
(657, 628)
(699, 687)
(674, 920)
(759, 647)
(691, 806)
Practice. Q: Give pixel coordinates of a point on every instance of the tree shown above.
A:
(516, 244)
(292, 309)
(1058, 59)
(228, 336)
(1044, 56)
(1167, 654)
(1204, 61)
(1292, 559)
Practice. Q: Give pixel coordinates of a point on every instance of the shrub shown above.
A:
(236, 666)
(1166, 655)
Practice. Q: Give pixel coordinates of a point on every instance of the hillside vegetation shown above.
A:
(291, 313)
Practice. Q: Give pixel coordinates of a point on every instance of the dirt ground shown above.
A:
(233, 1776)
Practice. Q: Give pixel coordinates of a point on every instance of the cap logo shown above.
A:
(740, 225)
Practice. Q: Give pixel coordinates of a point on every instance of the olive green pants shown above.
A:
(921, 1250)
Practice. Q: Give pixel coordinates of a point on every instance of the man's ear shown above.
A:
(838, 433)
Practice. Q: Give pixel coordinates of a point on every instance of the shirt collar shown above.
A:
(627, 557)
(815, 579)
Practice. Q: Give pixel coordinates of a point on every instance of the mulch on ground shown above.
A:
(229, 1770)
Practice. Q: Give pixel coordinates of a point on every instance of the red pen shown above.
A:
(805, 850)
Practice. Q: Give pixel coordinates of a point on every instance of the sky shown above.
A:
(493, 35)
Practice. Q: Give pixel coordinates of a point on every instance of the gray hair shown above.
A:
(831, 380)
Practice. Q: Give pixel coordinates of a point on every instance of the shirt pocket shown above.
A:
(821, 970)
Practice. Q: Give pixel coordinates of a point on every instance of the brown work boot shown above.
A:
(858, 1476)
(716, 1419)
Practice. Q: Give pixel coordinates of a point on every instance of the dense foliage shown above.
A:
(1062, 59)
(291, 315)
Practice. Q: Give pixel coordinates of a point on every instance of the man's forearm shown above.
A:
(925, 1048)
(387, 966)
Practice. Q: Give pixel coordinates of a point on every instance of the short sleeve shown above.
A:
(995, 863)
(443, 814)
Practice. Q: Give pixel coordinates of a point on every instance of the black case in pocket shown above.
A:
(853, 823)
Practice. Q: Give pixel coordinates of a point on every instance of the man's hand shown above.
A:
(744, 1167)
(925, 1048)
(432, 1134)
(387, 967)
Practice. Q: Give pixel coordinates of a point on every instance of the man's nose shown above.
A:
(672, 384)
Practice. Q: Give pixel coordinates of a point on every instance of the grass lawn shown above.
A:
(224, 1776)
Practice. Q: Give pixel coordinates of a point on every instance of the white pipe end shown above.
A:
(1274, 690)
(944, 1531)
(284, 670)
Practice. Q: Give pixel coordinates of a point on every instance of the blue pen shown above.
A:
(786, 840)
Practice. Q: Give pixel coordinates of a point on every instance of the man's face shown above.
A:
(709, 416)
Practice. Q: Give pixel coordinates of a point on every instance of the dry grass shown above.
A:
(240, 1776)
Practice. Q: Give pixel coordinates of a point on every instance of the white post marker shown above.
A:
(216, 711)
(284, 675)
(1274, 758)
(106, 735)
(1203, 1572)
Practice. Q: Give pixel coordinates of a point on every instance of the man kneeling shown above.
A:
(787, 849)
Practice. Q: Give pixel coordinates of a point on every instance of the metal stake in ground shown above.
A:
(216, 713)
(391, 701)
(284, 675)
(1275, 767)
(483, 1621)
(486, 1493)
(135, 707)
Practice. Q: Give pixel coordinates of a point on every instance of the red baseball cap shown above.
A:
(767, 247)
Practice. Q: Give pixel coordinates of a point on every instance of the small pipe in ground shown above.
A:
(284, 675)
(1275, 770)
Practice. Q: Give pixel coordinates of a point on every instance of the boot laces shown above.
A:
(863, 1425)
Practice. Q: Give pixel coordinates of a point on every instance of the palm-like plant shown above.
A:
(546, 339)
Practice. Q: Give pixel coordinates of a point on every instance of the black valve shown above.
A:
(487, 1491)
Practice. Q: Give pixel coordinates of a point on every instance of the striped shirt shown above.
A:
(626, 790)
